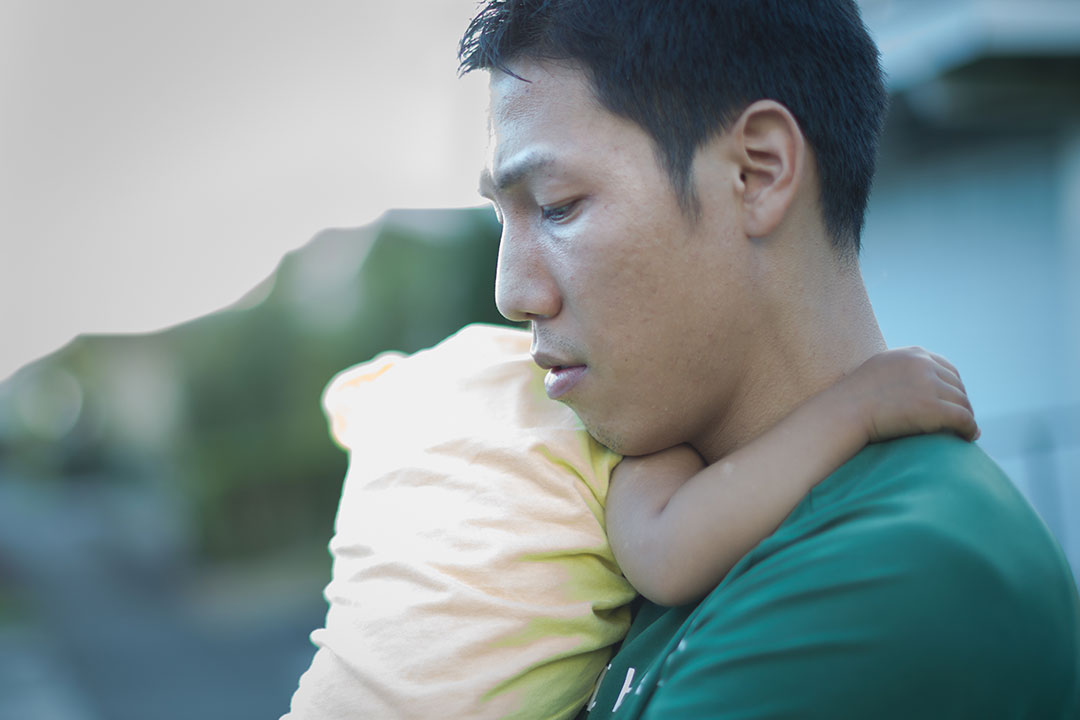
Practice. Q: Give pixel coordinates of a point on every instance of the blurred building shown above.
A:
(972, 243)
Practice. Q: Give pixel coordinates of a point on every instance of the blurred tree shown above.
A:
(225, 409)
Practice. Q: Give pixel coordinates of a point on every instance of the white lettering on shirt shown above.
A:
(592, 700)
(625, 688)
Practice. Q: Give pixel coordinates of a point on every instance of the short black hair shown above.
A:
(684, 70)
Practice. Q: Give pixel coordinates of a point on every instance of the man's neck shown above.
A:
(812, 335)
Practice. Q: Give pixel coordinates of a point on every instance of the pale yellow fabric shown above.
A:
(472, 577)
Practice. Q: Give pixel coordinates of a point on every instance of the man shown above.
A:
(682, 188)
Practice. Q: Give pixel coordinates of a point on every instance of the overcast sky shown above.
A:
(157, 159)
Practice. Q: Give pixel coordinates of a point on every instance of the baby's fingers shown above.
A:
(952, 393)
(944, 363)
(960, 420)
(956, 411)
(947, 371)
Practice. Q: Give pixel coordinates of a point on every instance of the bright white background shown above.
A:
(158, 158)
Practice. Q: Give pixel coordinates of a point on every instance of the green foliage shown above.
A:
(230, 403)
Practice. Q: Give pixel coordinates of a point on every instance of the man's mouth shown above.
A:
(561, 379)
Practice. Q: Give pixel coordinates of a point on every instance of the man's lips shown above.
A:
(561, 379)
(562, 375)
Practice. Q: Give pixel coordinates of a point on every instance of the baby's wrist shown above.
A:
(852, 411)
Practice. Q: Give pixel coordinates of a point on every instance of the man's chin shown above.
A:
(600, 432)
(617, 440)
(611, 442)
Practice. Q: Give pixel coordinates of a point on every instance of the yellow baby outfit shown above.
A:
(472, 577)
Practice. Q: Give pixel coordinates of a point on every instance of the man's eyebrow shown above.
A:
(513, 173)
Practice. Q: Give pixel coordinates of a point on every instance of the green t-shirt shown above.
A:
(914, 582)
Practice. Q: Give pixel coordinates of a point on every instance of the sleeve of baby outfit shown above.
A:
(471, 573)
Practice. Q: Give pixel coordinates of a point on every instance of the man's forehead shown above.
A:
(534, 115)
(511, 99)
(532, 85)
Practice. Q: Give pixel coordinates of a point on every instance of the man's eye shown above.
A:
(557, 213)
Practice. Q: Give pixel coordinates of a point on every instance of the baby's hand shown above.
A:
(909, 391)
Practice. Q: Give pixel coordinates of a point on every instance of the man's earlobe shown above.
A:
(771, 153)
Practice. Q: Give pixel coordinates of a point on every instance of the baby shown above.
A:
(473, 575)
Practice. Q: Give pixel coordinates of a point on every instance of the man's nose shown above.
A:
(524, 286)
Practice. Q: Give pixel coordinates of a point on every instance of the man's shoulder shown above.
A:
(941, 464)
(916, 573)
(929, 528)
(921, 558)
(922, 484)
(936, 504)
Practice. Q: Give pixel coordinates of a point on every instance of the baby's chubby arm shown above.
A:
(677, 526)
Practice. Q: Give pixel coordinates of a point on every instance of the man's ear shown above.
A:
(770, 152)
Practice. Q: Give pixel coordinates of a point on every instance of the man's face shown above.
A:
(639, 310)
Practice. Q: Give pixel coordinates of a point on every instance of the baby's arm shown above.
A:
(677, 526)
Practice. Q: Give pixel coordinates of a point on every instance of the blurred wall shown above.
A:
(972, 242)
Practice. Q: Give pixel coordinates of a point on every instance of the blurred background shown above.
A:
(172, 305)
